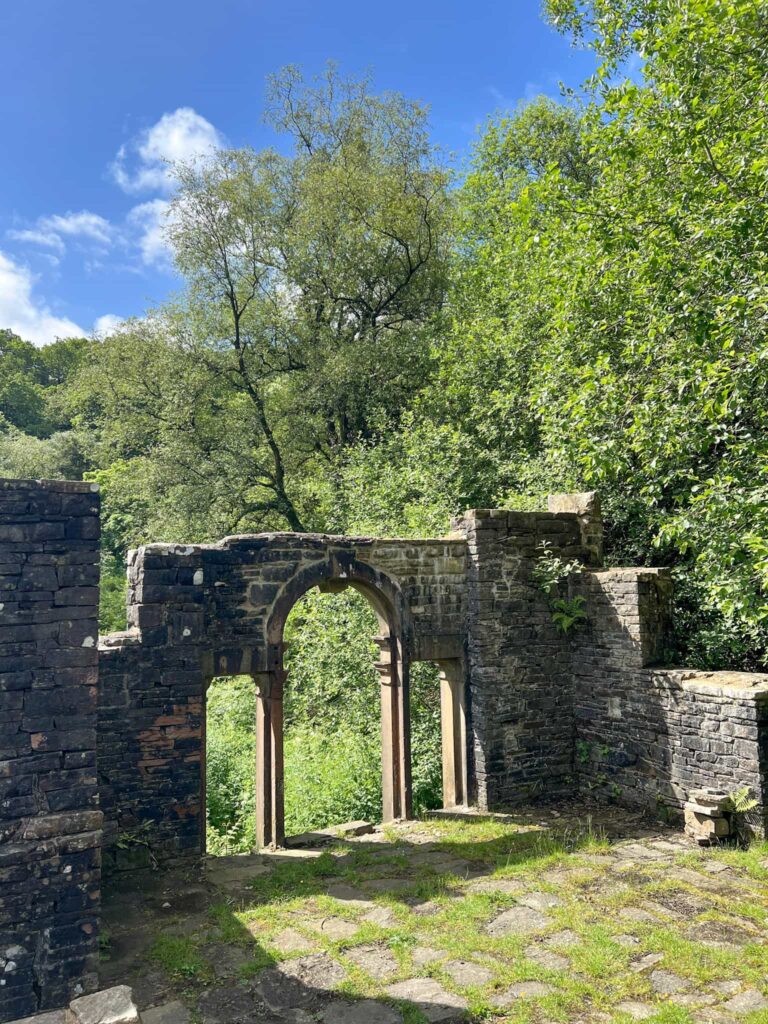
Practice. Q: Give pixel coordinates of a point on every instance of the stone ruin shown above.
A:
(103, 737)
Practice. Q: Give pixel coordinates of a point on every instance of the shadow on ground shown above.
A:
(550, 916)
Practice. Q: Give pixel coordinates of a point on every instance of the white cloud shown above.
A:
(150, 221)
(84, 223)
(181, 136)
(24, 313)
(107, 324)
(48, 231)
(33, 236)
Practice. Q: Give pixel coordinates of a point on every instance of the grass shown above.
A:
(180, 957)
(575, 864)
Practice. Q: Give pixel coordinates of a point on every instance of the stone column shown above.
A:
(50, 822)
(396, 787)
(270, 791)
(453, 727)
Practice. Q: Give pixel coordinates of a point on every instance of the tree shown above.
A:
(613, 305)
(314, 284)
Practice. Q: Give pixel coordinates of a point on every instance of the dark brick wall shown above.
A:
(50, 824)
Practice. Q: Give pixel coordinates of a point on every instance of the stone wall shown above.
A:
(50, 824)
(204, 610)
(534, 713)
(644, 735)
(520, 683)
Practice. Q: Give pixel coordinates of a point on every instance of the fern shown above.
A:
(567, 612)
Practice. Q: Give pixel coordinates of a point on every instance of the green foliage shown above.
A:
(315, 279)
(611, 303)
(549, 570)
(112, 595)
(741, 800)
(230, 765)
(567, 612)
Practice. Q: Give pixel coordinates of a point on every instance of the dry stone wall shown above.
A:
(646, 735)
(50, 824)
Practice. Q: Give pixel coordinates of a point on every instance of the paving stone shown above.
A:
(375, 959)
(186, 926)
(431, 998)
(488, 886)
(349, 895)
(645, 963)
(559, 876)
(708, 883)
(54, 1017)
(317, 971)
(659, 909)
(518, 921)
(627, 867)
(566, 937)
(390, 884)
(444, 865)
(666, 983)
(639, 1011)
(540, 900)
(720, 935)
(638, 915)
(680, 903)
(367, 1011)
(335, 928)
(150, 986)
(227, 1004)
(426, 908)
(423, 955)
(289, 940)
(694, 1000)
(465, 972)
(521, 990)
(749, 1001)
(299, 983)
(547, 958)
(628, 941)
(728, 988)
(169, 1013)
(384, 917)
(716, 867)
(640, 851)
(226, 960)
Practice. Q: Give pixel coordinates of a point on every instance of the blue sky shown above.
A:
(97, 93)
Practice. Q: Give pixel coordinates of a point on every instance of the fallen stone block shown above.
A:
(110, 1006)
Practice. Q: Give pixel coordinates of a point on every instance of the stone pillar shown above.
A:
(453, 722)
(396, 787)
(50, 823)
(270, 781)
(585, 505)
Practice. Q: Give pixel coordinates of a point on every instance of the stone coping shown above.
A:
(742, 685)
(67, 486)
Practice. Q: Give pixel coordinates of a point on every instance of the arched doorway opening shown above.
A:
(391, 643)
(275, 689)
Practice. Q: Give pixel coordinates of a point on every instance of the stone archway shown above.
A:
(393, 641)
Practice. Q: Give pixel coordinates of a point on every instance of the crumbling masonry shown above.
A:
(103, 736)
